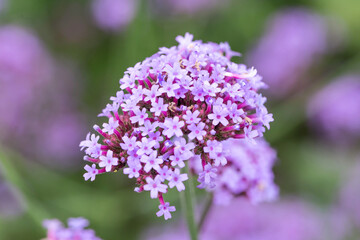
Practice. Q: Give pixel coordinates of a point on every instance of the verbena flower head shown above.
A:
(246, 171)
(330, 117)
(113, 15)
(283, 54)
(180, 103)
(75, 230)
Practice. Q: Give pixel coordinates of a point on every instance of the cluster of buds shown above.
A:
(180, 103)
(75, 231)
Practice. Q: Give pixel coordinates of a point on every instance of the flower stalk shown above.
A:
(187, 202)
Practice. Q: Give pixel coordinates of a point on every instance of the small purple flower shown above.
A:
(91, 172)
(134, 71)
(165, 210)
(119, 98)
(151, 162)
(207, 177)
(148, 128)
(158, 107)
(175, 72)
(127, 82)
(92, 146)
(145, 146)
(185, 41)
(169, 87)
(235, 113)
(177, 160)
(219, 157)
(173, 127)
(250, 134)
(197, 131)
(177, 180)
(157, 138)
(108, 161)
(152, 94)
(213, 147)
(133, 169)
(139, 117)
(184, 148)
(219, 116)
(155, 186)
(192, 117)
(164, 173)
(111, 126)
(129, 143)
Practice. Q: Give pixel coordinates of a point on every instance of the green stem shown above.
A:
(205, 212)
(187, 204)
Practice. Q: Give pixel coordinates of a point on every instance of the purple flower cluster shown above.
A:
(246, 170)
(329, 116)
(293, 40)
(181, 103)
(113, 15)
(24, 66)
(75, 230)
(39, 117)
(241, 220)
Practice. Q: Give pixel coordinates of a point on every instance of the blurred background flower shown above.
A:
(113, 15)
(60, 60)
(292, 43)
(328, 115)
(38, 100)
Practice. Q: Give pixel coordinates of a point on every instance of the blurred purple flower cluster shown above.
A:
(288, 219)
(113, 15)
(248, 172)
(75, 230)
(332, 118)
(292, 43)
(30, 85)
(181, 103)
